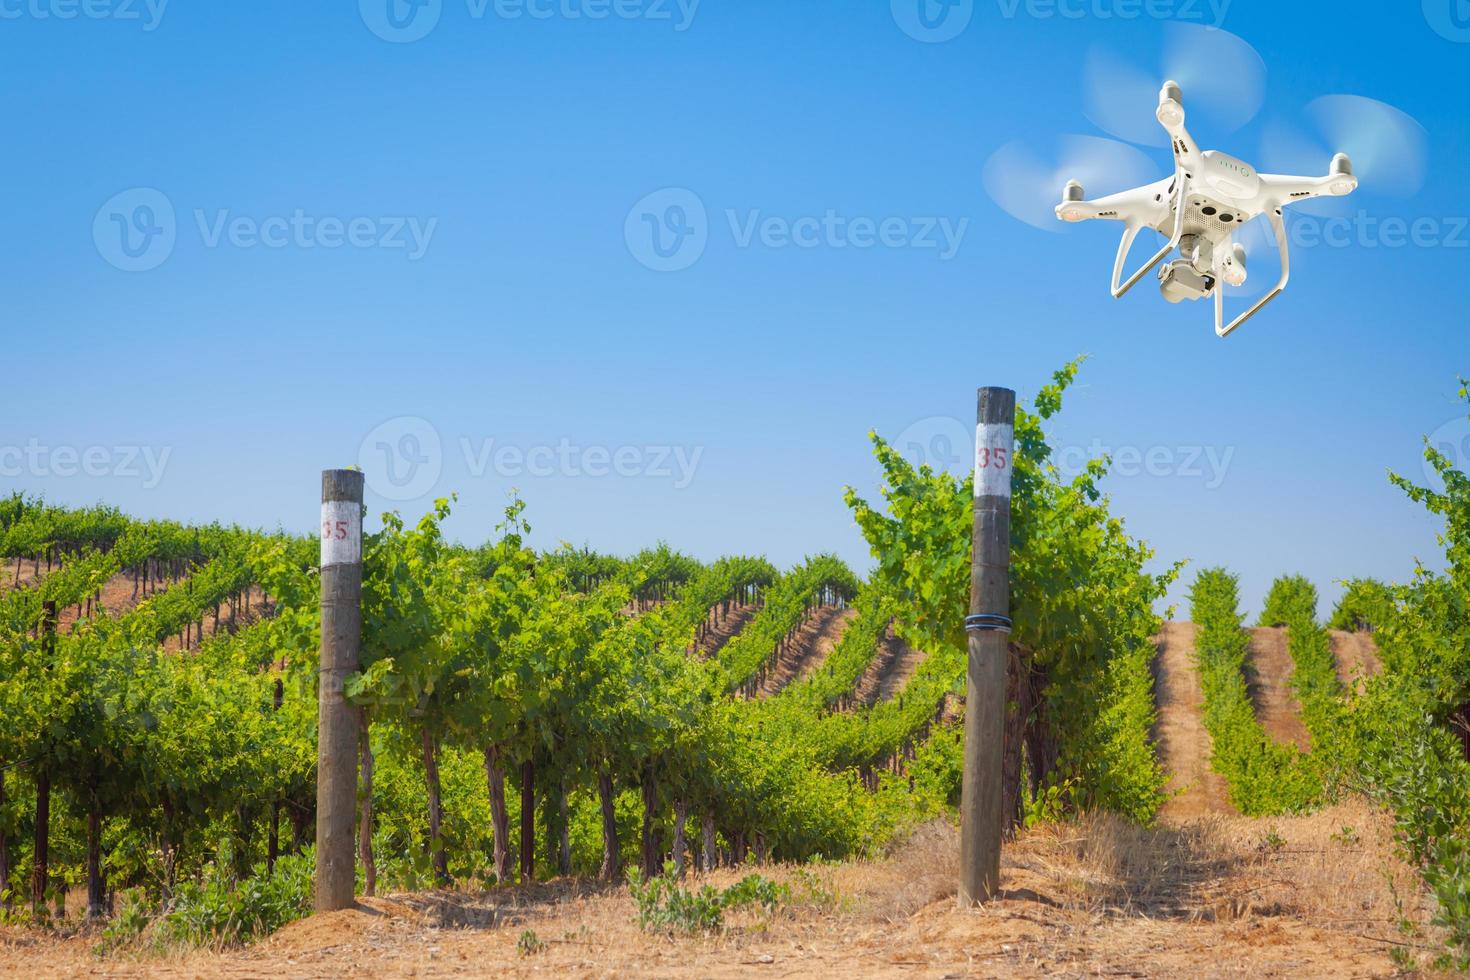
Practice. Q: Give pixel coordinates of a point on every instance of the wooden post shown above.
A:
(564, 825)
(499, 818)
(336, 776)
(41, 842)
(365, 808)
(96, 883)
(681, 817)
(273, 838)
(4, 852)
(528, 822)
(988, 627)
(438, 857)
(707, 828)
(651, 864)
(611, 867)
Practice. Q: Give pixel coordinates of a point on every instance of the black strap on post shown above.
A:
(987, 622)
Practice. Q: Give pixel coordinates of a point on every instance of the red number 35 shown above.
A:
(996, 457)
(334, 530)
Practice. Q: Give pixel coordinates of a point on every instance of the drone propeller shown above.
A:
(1222, 77)
(1027, 183)
(1387, 147)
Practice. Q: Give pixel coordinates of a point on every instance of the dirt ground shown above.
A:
(1209, 897)
(118, 595)
(818, 634)
(1270, 687)
(889, 671)
(718, 636)
(1206, 894)
(21, 572)
(1356, 655)
(1184, 744)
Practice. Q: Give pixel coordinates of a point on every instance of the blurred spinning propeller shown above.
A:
(1223, 79)
(1027, 183)
(1388, 148)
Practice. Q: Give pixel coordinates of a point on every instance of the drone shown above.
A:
(1199, 208)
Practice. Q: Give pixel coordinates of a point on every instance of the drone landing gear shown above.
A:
(1130, 231)
(1279, 228)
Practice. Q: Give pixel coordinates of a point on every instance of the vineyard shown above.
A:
(541, 726)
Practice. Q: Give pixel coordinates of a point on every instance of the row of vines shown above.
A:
(529, 713)
(1401, 736)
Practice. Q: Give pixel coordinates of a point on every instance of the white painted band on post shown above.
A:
(341, 533)
(994, 457)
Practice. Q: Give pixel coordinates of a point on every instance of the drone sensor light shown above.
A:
(1171, 106)
(1341, 170)
(1235, 266)
(1171, 114)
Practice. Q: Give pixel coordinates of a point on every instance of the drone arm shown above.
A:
(1186, 151)
(1170, 115)
(1131, 231)
(1282, 190)
(1221, 329)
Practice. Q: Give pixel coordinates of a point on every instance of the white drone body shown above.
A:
(1210, 196)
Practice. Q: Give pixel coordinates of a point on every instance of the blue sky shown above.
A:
(377, 245)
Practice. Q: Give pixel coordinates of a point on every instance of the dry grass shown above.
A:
(1106, 864)
(922, 870)
(1223, 896)
(1337, 864)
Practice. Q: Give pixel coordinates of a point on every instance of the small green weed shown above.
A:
(666, 906)
(529, 944)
